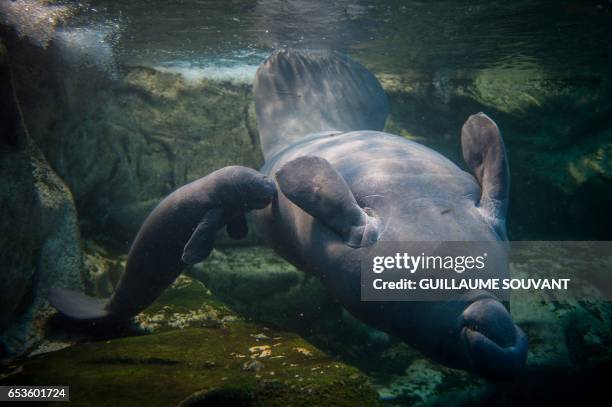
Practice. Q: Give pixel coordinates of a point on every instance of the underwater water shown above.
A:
(110, 106)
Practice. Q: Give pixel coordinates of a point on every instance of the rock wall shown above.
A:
(558, 136)
(200, 353)
(154, 135)
(122, 143)
(39, 233)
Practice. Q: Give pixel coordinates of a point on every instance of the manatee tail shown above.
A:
(78, 306)
(299, 92)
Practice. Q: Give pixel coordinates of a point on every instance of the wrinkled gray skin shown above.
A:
(341, 188)
(342, 191)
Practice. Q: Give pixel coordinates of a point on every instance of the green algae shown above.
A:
(216, 359)
(257, 283)
(165, 368)
(187, 303)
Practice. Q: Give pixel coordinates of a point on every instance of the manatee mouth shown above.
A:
(494, 347)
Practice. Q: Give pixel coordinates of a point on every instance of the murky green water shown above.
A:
(558, 36)
(126, 101)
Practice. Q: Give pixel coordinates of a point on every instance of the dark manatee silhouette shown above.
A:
(341, 187)
(179, 231)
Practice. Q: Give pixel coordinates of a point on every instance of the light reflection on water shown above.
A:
(388, 35)
(228, 38)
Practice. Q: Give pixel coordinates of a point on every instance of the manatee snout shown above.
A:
(255, 190)
(494, 346)
(261, 196)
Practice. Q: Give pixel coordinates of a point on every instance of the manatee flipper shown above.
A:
(201, 242)
(300, 92)
(76, 305)
(315, 186)
(237, 227)
(485, 154)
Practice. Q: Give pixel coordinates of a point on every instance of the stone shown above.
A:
(101, 269)
(198, 363)
(256, 283)
(39, 232)
(556, 130)
(122, 138)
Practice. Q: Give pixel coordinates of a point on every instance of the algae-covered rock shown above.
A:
(199, 352)
(155, 133)
(39, 233)
(186, 303)
(257, 283)
(101, 269)
(17, 199)
(197, 364)
(51, 230)
(557, 132)
(122, 138)
(427, 383)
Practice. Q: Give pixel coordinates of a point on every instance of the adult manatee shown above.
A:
(342, 187)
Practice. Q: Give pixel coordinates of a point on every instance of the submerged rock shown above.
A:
(124, 139)
(556, 128)
(155, 134)
(257, 283)
(255, 275)
(39, 235)
(217, 359)
(187, 303)
(196, 365)
(101, 269)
